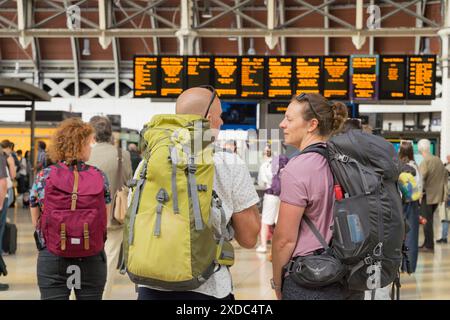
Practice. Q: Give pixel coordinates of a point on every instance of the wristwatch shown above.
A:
(274, 286)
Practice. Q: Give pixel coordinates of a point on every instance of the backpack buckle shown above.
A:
(343, 158)
(368, 260)
(162, 196)
(143, 172)
(289, 267)
(192, 168)
(74, 197)
(132, 183)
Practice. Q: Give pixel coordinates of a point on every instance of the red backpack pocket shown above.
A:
(77, 233)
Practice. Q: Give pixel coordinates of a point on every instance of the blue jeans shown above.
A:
(10, 196)
(3, 215)
(444, 229)
(411, 213)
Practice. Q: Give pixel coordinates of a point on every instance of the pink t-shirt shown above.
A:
(307, 182)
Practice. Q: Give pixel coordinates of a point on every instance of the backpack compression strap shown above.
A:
(75, 189)
(135, 200)
(223, 257)
(162, 197)
(192, 187)
(174, 160)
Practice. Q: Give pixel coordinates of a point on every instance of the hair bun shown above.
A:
(340, 114)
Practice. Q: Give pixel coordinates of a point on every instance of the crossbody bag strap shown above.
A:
(316, 232)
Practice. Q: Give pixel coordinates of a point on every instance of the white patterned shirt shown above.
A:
(234, 186)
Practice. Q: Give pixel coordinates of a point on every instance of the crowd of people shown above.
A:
(300, 188)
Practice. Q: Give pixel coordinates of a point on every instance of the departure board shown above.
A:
(252, 77)
(145, 77)
(355, 78)
(278, 107)
(364, 75)
(392, 78)
(335, 81)
(172, 76)
(308, 71)
(226, 76)
(421, 77)
(198, 71)
(279, 72)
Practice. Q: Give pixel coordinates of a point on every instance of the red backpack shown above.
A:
(73, 220)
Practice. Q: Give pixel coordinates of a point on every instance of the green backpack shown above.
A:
(175, 230)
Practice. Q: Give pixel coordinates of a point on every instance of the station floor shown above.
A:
(251, 273)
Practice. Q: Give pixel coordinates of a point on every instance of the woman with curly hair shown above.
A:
(69, 203)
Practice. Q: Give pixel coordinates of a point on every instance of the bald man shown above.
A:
(234, 186)
(198, 101)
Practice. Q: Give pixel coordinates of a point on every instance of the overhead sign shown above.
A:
(364, 77)
(279, 73)
(172, 76)
(335, 81)
(226, 76)
(308, 75)
(421, 77)
(146, 76)
(392, 78)
(252, 77)
(198, 71)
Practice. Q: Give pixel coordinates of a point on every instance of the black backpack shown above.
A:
(368, 229)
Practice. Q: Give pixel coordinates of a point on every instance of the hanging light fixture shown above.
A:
(207, 13)
(426, 46)
(86, 47)
(233, 26)
(251, 50)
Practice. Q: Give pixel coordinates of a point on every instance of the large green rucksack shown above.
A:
(175, 229)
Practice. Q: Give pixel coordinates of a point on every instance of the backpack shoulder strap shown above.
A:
(319, 148)
(57, 165)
